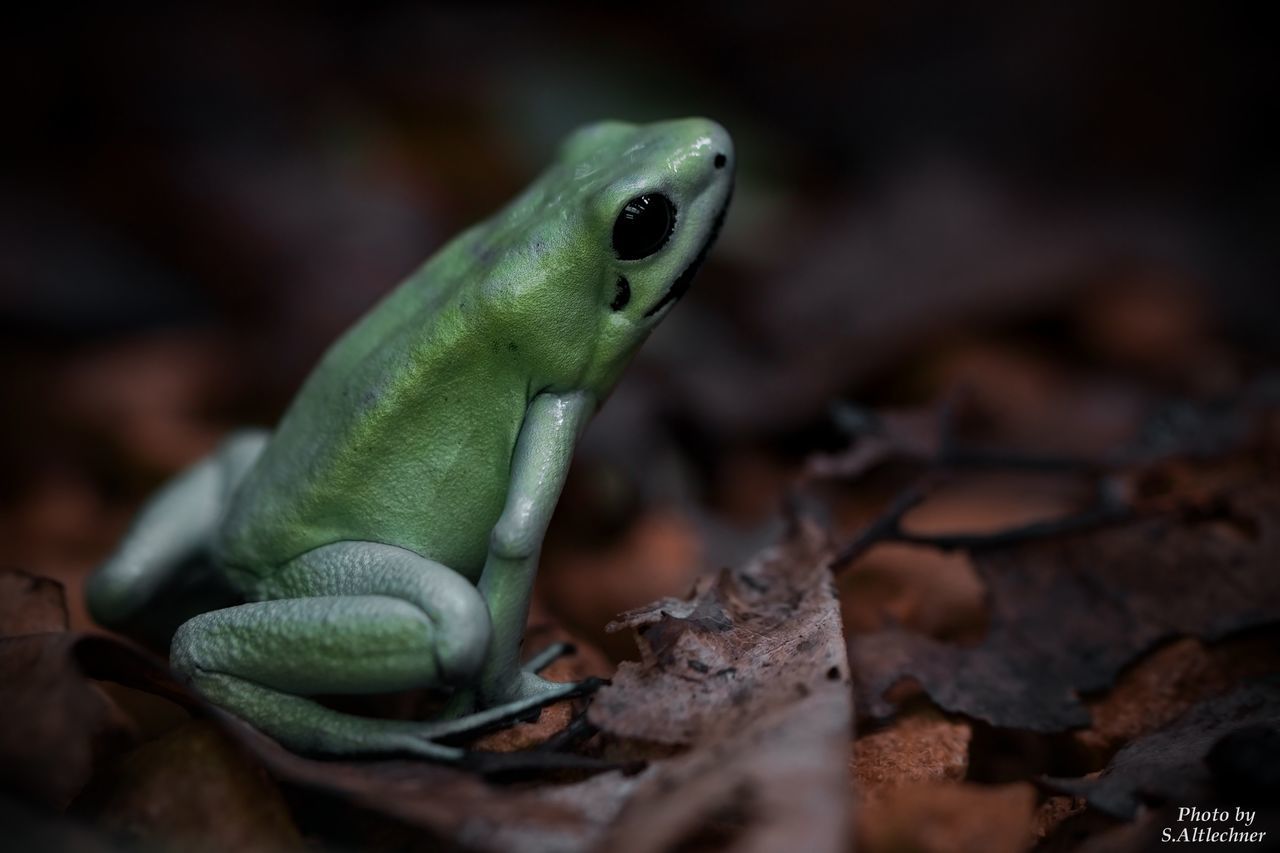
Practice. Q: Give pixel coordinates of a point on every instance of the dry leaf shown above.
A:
(747, 642)
(948, 817)
(191, 790)
(1067, 614)
(1186, 763)
(30, 605)
(769, 763)
(749, 673)
(1166, 683)
(923, 747)
(54, 722)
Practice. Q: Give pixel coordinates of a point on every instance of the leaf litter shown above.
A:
(1066, 615)
(756, 753)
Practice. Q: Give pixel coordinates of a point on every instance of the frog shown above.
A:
(385, 534)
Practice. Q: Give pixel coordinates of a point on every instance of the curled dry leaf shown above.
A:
(747, 641)
(54, 722)
(1066, 615)
(750, 674)
(30, 605)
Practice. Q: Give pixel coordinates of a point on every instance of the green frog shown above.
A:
(385, 535)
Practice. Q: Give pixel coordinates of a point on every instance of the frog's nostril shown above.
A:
(720, 161)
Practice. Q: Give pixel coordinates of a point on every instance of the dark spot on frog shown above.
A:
(720, 161)
(833, 674)
(805, 645)
(698, 666)
(621, 294)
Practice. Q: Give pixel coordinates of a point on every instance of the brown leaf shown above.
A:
(929, 591)
(658, 555)
(1053, 812)
(193, 789)
(948, 817)
(1193, 758)
(35, 828)
(1067, 614)
(30, 605)
(54, 722)
(1168, 682)
(445, 805)
(748, 642)
(922, 747)
(749, 672)
(770, 765)
(778, 782)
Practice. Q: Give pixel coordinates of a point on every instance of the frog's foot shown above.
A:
(376, 619)
(508, 713)
(306, 726)
(548, 656)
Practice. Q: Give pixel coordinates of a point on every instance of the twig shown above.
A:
(1213, 430)
(585, 687)
(887, 527)
(1096, 516)
(524, 764)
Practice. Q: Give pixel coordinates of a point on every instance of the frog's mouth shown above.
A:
(681, 285)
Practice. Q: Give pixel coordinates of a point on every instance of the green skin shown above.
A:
(386, 534)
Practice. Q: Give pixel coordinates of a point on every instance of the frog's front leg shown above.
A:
(544, 449)
(351, 617)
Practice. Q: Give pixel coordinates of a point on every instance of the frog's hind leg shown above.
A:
(171, 532)
(351, 617)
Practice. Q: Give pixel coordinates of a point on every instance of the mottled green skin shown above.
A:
(387, 532)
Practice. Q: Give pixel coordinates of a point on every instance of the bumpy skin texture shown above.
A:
(387, 532)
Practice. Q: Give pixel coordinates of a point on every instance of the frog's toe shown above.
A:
(530, 685)
(548, 656)
(431, 751)
(517, 710)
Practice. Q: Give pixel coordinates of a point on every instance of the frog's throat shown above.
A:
(681, 285)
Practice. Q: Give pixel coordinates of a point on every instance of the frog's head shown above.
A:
(600, 248)
(651, 200)
(661, 209)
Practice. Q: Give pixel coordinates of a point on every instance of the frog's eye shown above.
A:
(644, 226)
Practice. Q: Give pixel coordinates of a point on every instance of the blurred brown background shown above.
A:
(1044, 202)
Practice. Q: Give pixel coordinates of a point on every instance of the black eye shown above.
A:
(643, 226)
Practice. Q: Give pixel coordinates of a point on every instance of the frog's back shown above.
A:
(402, 434)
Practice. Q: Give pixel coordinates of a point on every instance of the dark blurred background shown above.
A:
(1036, 200)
